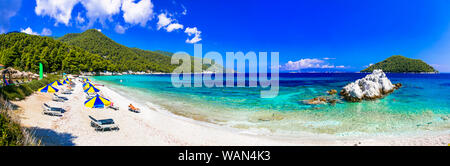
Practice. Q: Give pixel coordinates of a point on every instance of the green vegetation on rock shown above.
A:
(401, 64)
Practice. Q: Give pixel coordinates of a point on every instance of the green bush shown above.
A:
(19, 92)
(10, 132)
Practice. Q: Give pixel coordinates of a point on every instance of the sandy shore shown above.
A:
(154, 126)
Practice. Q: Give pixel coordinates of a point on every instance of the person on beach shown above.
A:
(133, 108)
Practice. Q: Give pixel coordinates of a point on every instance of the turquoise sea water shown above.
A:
(423, 103)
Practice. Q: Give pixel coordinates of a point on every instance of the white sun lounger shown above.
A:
(104, 124)
(114, 107)
(66, 92)
(54, 111)
(90, 95)
(57, 99)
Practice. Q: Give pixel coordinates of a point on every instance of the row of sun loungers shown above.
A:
(98, 125)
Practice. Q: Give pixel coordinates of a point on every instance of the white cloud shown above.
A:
(80, 20)
(309, 63)
(195, 32)
(28, 31)
(137, 13)
(8, 9)
(163, 21)
(60, 10)
(100, 10)
(327, 66)
(326, 58)
(120, 29)
(99, 30)
(174, 26)
(366, 66)
(303, 64)
(435, 65)
(46, 32)
(184, 10)
(168, 23)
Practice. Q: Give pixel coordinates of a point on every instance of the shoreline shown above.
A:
(156, 126)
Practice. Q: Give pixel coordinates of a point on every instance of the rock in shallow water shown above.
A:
(321, 100)
(373, 86)
(332, 91)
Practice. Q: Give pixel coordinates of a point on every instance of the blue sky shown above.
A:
(339, 34)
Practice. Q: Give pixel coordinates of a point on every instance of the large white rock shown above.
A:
(372, 86)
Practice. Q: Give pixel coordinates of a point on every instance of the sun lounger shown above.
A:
(113, 107)
(54, 111)
(66, 92)
(59, 98)
(88, 96)
(104, 124)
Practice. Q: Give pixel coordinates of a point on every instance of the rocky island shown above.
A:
(373, 86)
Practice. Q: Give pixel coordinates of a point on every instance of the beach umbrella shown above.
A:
(56, 83)
(97, 102)
(91, 89)
(65, 82)
(87, 80)
(48, 89)
(87, 85)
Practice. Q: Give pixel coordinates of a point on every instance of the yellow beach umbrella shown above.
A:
(87, 85)
(91, 89)
(56, 83)
(48, 89)
(97, 102)
(65, 82)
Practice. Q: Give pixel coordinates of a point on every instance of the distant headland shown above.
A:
(401, 64)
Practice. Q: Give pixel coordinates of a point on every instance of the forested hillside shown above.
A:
(24, 52)
(401, 64)
(122, 57)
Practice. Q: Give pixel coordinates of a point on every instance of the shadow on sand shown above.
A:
(50, 137)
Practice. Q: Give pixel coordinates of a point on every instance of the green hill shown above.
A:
(24, 52)
(401, 64)
(122, 57)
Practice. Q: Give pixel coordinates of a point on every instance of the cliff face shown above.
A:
(401, 64)
(373, 86)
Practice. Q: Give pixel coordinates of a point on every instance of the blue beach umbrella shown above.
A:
(48, 89)
(91, 89)
(56, 83)
(97, 102)
(87, 85)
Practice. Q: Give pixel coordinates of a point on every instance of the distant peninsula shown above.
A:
(401, 64)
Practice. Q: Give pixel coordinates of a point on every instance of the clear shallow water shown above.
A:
(423, 103)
